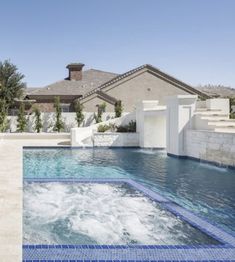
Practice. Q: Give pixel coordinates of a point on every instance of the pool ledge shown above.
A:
(222, 252)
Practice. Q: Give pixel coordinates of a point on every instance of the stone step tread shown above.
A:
(222, 123)
(211, 113)
(225, 129)
(215, 118)
(207, 110)
(230, 120)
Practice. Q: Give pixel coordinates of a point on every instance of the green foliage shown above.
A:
(118, 108)
(3, 116)
(103, 128)
(112, 127)
(232, 104)
(11, 85)
(79, 112)
(131, 128)
(97, 118)
(21, 119)
(37, 120)
(101, 110)
(59, 124)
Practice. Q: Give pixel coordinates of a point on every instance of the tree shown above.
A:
(37, 120)
(59, 124)
(3, 115)
(118, 108)
(79, 112)
(232, 106)
(11, 85)
(21, 119)
(101, 110)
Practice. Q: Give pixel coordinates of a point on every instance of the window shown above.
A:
(65, 108)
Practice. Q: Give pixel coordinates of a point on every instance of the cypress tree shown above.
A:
(21, 119)
(59, 124)
(37, 120)
(79, 113)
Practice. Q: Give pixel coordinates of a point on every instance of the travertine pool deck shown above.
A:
(11, 180)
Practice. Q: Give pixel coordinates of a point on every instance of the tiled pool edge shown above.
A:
(223, 252)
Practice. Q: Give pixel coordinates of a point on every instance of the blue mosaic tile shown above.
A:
(137, 253)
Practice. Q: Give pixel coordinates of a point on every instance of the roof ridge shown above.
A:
(115, 79)
(100, 71)
(150, 67)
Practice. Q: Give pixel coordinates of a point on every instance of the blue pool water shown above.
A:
(205, 189)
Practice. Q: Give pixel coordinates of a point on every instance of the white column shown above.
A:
(180, 110)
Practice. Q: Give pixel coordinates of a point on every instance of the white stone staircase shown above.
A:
(213, 119)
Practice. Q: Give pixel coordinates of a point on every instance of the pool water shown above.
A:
(110, 214)
(202, 188)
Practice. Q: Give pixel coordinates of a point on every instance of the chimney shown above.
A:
(75, 71)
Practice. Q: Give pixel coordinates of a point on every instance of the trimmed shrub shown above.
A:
(103, 128)
(37, 120)
(118, 108)
(59, 124)
(79, 112)
(101, 110)
(21, 119)
(3, 116)
(131, 127)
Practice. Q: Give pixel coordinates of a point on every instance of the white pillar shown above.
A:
(180, 110)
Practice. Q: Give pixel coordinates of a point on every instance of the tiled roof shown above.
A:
(30, 90)
(95, 80)
(91, 79)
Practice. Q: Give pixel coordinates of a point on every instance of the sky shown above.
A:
(193, 40)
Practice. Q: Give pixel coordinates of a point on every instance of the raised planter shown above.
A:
(115, 139)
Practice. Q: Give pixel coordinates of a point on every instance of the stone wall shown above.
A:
(116, 139)
(211, 146)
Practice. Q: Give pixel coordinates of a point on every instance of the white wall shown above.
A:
(83, 136)
(218, 104)
(116, 139)
(211, 146)
(68, 118)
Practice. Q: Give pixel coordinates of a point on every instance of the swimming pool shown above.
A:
(202, 188)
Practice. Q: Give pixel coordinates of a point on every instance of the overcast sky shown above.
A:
(193, 40)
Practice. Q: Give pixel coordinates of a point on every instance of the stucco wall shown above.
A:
(68, 118)
(116, 139)
(144, 86)
(91, 104)
(211, 146)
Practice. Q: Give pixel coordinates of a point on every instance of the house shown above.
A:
(93, 87)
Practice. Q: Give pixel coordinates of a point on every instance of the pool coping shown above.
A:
(222, 252)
